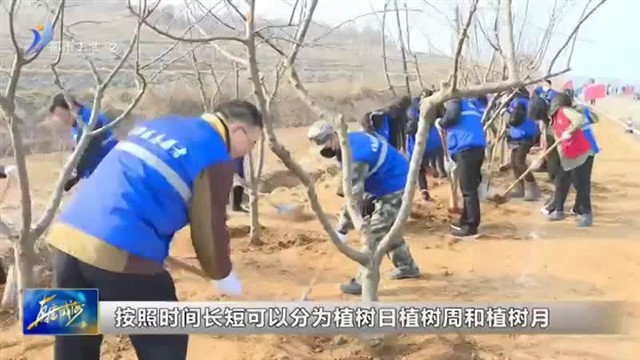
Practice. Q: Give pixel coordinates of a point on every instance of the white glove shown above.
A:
(566, 135)
(229, 285)
(449, 164)
(437, 123)
(341, 236)
(10, 169)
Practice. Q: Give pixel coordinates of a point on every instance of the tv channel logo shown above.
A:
(60, 312)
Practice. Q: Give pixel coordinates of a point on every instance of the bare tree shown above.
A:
(25, 244)
(385, 61)
(371, 257)
(403, 47)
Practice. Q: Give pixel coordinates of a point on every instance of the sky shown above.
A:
(607, 48)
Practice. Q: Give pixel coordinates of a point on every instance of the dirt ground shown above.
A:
(519, 257)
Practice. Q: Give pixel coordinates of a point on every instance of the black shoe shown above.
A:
(464, 230)
(351, 288)
(241, 209)
(400, 274)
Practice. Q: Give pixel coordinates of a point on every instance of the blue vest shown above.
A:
(138, 197)
(467, 133)
(388, 169)
(528, 129)
(240, 170)
(414, 111)
(588, 131)
(546, 95)
(385, 129)
(109, 141)
(434, 143)
(480, 106)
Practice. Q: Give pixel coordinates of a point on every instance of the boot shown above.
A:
(400, 274)
(238, 194)
(556, 215)
(531, 191)
(351, 288)
(585, 220)
(518, 190)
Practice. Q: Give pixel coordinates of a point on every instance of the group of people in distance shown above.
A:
(381, 153)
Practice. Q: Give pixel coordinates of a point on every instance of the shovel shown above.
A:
(502, 198)
(451, 167)
(286, 209)
(485, 191)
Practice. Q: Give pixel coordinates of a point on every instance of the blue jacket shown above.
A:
(434, 143)
(98, 148)
(138, 197)
(388, 168)
(546, 95)
(241, 168)
(528, 129)
(588, 130)
(466, 132)
(385, 128)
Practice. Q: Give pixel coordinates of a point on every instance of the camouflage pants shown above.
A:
(385, 213)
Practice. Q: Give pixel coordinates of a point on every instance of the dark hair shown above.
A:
(60, 101)
(240, 111)
(522, 92)
(548, 81)
(427, 92)
(404, 102)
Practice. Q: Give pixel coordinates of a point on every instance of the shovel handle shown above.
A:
(532, 166)
(179, 264)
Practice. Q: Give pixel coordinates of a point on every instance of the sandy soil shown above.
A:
(520, 257)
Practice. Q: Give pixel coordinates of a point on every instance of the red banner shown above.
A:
(595, 92)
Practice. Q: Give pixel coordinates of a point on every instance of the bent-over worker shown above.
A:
(114, 234)
(379, 171)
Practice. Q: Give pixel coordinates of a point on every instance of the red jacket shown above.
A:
(577, 145)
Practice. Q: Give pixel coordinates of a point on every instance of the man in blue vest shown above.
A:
(433, 150)
(379, 172)
(545, 91)
(389, 122)
(115, 233)
(466, 143)
(99, 146)
(522, 133)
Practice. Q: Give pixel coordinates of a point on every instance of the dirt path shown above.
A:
(521, 257)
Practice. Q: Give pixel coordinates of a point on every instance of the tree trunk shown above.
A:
(254, 232)
(370, 283)
(25, 260)
(10, 296)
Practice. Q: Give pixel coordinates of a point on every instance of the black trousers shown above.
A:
(519, 153)
(469, 164)
(422, 174)
(237, 196)
(580, 177)
(69, 272)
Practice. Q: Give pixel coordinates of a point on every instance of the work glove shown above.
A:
(449, 164)
(229, 285)
(6, 171)
(437, 123)
(566, 135)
